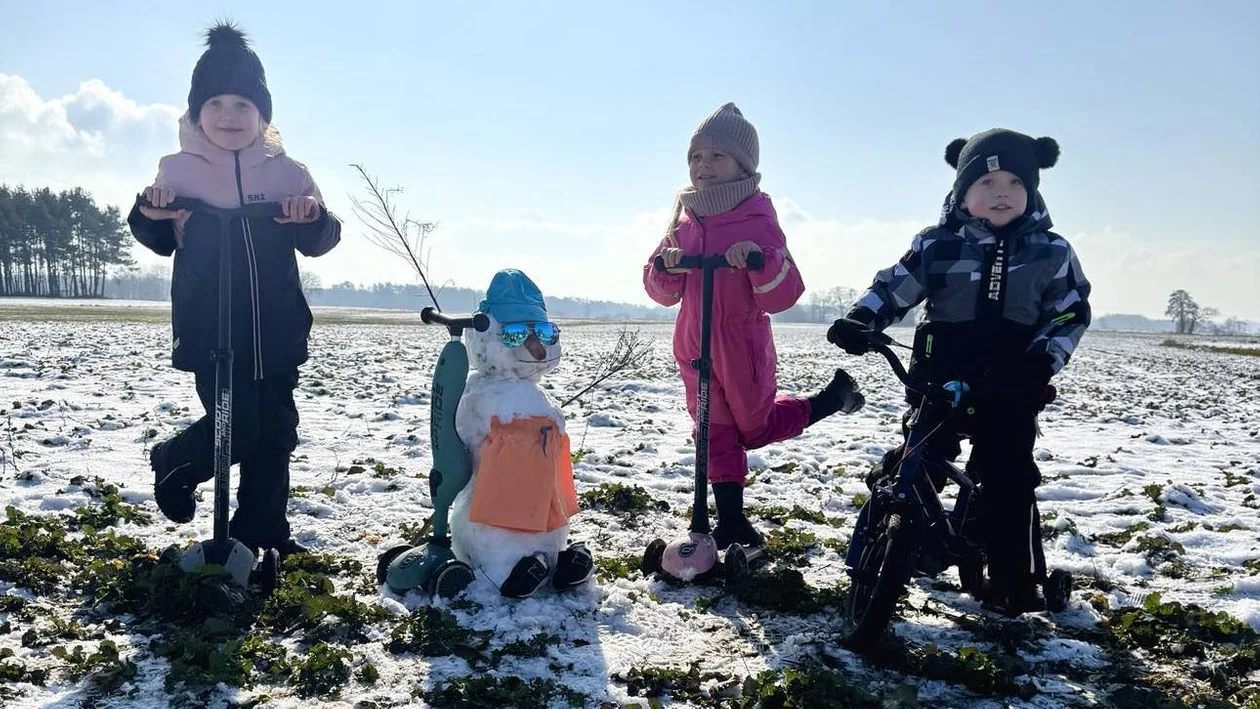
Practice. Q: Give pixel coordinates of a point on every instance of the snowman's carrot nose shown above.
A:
(535, 348)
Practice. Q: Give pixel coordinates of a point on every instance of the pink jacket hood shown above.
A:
(207, 172)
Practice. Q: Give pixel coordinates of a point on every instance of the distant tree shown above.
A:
(1183, 310)
(1234, 326)
(311, 283)
(58, 244)
(1203, 319)
(150, 283)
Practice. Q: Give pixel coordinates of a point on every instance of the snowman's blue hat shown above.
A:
(513, 298)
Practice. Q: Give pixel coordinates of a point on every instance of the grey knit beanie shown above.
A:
(727, 130)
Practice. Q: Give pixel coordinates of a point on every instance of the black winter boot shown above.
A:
(732, 526)
(841, 394)
(525, 578)
(573, 567)
(173, 493)
(1013, 598)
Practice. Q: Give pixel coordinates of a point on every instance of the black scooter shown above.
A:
(236, 559)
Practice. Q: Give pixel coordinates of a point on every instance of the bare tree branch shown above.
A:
(628, 353)
(391, 232)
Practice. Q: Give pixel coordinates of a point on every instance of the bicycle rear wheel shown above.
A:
(879, 579)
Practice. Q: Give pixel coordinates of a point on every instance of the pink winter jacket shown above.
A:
(742, 345)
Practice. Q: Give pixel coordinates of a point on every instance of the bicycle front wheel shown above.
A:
(879, 579)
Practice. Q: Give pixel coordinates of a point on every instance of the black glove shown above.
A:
(852, 336)
(1028, 376)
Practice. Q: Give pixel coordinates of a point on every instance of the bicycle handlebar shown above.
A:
(755, 261)
(953, 391)
(948, 393)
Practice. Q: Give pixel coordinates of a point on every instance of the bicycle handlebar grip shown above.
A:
(477, 321)
(756, 260)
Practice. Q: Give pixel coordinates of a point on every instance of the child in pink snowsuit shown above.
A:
(724, 212)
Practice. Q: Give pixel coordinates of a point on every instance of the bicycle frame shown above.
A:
(911, 489)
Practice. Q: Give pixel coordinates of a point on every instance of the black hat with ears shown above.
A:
(1000, 149)
(228, 66)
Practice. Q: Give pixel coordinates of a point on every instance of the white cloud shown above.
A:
(603, 261)
(597, 261)
(95, 138)
(1132, 275)
(1127, 274)
(101, 140)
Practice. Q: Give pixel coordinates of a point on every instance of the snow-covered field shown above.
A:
(1151, 461)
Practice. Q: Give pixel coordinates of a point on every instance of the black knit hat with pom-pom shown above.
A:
(228, 66)
(1000, 149)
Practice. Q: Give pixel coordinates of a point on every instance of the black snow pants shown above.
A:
(264, 433)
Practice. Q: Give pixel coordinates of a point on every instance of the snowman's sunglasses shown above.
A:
(515, 334)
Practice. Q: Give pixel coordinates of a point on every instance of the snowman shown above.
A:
(511, 521)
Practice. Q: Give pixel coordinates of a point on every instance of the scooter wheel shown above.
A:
(450, 578)
(267, 574)
(1057, 590)
(652, 557)
(171, 555)
(735, 564)
(384, 560)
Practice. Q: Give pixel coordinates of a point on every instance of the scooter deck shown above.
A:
(754, 558)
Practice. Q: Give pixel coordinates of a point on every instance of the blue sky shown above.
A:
(551, 136)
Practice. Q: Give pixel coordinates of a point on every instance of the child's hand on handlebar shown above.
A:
(159, 197)
(737, 255)
(852, 336)
(299, 210)
(671, 257)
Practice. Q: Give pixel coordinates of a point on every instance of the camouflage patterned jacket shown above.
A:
(993, 297)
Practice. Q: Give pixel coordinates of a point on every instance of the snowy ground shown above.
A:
(1151, 461)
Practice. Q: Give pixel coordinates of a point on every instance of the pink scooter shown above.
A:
(694, 558)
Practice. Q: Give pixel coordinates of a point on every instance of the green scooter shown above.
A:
(431, 565)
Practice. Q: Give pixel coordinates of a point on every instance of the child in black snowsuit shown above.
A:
(229, 155)
(1006, 305)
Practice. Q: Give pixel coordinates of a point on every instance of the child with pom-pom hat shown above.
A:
(230, 155)
(1006, 305)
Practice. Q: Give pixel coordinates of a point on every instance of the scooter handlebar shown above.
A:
(255, 210)
(756, 260)
(477, 321)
